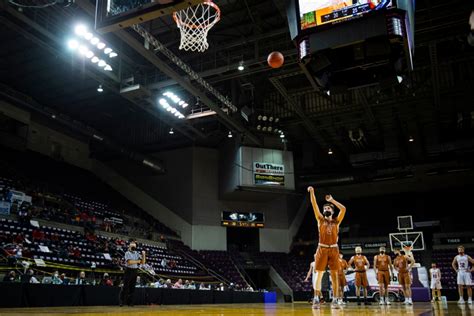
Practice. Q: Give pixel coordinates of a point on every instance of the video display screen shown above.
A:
(241, 219)
(314, 13)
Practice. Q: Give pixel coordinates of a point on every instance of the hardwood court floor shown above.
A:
(296, 309)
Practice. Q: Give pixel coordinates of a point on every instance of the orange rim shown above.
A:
(195, 26)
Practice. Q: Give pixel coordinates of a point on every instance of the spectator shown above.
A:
(19, 239)
(106, 280)
(63, 279)
(249, 288)
(178, 284)
(168, 284)
(192, 285)
(172, 264)
(139, 282)
(81, 280)
(55, 279)
(32, 278)
(203, 287)
(164, 262)
(158, 284)
(10, 277)
(221, 287)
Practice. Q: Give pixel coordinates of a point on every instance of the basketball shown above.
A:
(275, 59)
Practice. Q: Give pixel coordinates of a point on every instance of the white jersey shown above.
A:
(463, 262)
(435, 273)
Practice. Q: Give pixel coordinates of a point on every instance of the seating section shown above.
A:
(73, 248)
(63, 193)
(221, 262)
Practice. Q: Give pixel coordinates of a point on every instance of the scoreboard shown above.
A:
(241, 219)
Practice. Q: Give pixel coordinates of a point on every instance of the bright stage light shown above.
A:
(95, 60)
(83, 50)
(94, 41)
(89, 54)
(80, 29)
(108, 68)
(107, 50)
(88, 36)
(73, 44)
(100, 45)
(102, 63)
(113, 54)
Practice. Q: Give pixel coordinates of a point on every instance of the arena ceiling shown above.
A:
(364, 128)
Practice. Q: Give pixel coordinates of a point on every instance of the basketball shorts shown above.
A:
(342, 279)
(361, 279)
(464, 278)
(435, 284)
(404, 278)
(383, 277)
(325, 257)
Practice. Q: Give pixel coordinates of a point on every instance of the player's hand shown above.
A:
(310, 189)
(143, 253)
(329, 198)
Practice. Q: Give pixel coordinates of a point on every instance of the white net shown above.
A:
(194, 23)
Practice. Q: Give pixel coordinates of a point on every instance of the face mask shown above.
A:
(327, 213)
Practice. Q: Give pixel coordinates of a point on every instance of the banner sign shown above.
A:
(269, 174)
(18, 196)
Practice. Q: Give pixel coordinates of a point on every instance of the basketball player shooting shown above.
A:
(328, 251)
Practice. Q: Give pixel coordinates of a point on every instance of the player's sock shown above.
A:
(358, 300)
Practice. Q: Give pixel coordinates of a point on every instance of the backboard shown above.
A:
(413, 239)
(113, 15)
(405, 222)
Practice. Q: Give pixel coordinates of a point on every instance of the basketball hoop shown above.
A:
(194, 23)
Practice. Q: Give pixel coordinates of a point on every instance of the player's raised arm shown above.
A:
(317, 212)
(342, 208)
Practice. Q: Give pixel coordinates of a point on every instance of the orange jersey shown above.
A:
(359, 263)
(328, 231)
(342, 266)
(382, 262)
(401, 263)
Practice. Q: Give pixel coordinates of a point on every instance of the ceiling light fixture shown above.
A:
(241, 66)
